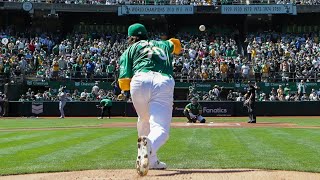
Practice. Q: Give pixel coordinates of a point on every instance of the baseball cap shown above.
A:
(137, 29)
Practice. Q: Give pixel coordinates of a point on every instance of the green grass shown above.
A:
(114, 148)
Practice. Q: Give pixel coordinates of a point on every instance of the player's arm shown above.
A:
(187, 108)
(125, 73)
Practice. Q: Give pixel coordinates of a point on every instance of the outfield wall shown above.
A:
(210, 109)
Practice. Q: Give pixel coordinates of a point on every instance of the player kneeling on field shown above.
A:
(193, 111)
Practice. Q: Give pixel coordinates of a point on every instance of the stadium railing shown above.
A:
(104, 76)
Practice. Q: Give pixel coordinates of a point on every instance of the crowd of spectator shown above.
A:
(282, 93)
(266, 57)
(173, 2)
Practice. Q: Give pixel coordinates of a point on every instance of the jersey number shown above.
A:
(155, 51)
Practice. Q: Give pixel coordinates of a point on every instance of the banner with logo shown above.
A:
(155, 9)
(259, 9)
(209, 109)
(37, 107)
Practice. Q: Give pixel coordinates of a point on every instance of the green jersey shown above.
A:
(106, 102)
(147, 56)
(194, 108)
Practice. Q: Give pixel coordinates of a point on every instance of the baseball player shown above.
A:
(193, 111)
(105, 104)
(146, 70)
(62, 101)
(250, 102)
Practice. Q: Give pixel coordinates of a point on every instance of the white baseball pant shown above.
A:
(152, 97)
(199, 118)
(61, 107)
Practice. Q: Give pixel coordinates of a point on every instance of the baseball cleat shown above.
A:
(158, 165)
(144, 151)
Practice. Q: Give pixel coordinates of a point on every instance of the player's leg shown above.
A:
(140, 89)
(160, 117)
(186, 114)
(61, 109)
(253, 113)
(201, 119)
(193, 117)
(109, 111)
(102, 112)
(140, 94)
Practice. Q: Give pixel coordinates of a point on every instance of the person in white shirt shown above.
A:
(301, 88)
(83, 95)
(245, 71)
(313, 95)
(95, 89)
(249, 50)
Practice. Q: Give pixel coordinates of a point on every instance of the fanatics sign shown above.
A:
(259, 9)
(155, 9)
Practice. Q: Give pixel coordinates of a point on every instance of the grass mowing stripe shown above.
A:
(309, 137)
(40, 143)
(21, 142)
(265, 150)
(6, 134)
(300, 148)
(28, 135)
(26, 158)
(118, 154)
(84, 147)
(193, 142)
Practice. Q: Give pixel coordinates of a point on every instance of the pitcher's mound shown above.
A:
(186, 174)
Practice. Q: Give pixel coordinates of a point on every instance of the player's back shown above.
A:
(152, 55)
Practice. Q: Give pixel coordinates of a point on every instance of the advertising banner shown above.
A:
(209, 109)
(155, 9)
(259, 9)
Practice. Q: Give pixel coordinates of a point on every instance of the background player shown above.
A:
(250, 102)
(146, 69)
(105, 105)
(193, 111)
(62, 101)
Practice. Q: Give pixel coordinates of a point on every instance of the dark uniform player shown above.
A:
(250, 103)
(193, 112)
(105, 105)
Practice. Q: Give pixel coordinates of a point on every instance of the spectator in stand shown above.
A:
(230, 96)
(84, 95)
(90, 69)
(280, 92)
(122, 96)
(95, 89)
(301, 88)
(313, 95)
(215, 93)
(304, 97)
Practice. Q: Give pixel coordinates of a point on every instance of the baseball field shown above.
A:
(223, 148)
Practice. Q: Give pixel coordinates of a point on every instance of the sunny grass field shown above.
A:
(31, 151)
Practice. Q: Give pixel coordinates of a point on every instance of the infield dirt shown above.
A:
(194, 174)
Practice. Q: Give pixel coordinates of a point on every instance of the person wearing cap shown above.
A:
(146, 70)
(250, 102)
(105, 105)
(193, 111)
(62, 101)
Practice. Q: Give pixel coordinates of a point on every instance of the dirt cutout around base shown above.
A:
(182, 174)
